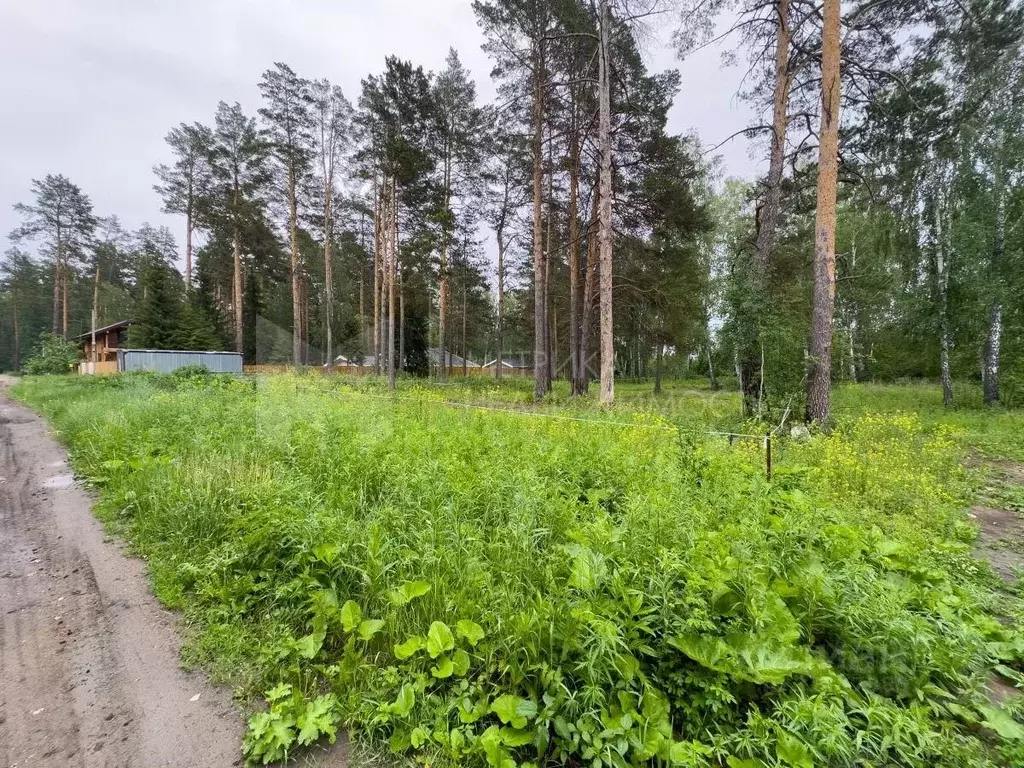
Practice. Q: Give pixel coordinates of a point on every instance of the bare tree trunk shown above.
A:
(768, 221)
(819, 380)
(64, 300)
(942, 264)
(501, 303)
(465, 362)
(442, 315)
(377, 242)
(604, 231)
(329, 274)
(189, 226)
(392, 274)
(401, 323)
(541, 372)
(17, 333)
(713, 379)
(590, 286)
(990, 380)
(56, 290)
(574, 264)
(95, 310)
(296, 290)
(657, 368)
(236, 250)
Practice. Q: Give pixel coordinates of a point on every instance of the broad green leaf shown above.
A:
(460, 662)
(1000, 722)
(418, 737)
(405, 702)
(791, 751)
(279, 691)
(514, 710)
(309, 646)
(456, 740)
(471, 631)
(317, 718)
(497, 756)
(736, 762)
(351, 614)
(689, 753)
(439, 639)
(470, 711)
(326, 553)
(368, 628)
(710, 652)
(409, 647)
(513, 737)
(444, 668)
(409, 592)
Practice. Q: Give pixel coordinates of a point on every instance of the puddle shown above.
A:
(59, 481)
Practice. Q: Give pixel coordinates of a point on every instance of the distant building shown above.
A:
(450, 359)
(511, 364)
(109, 339)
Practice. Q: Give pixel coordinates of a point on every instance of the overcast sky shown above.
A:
(90, 87)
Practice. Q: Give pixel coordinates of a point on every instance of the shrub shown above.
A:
(52, 355)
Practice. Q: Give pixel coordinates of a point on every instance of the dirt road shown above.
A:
(89, 673)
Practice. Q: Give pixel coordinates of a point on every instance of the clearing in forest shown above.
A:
(487, 586)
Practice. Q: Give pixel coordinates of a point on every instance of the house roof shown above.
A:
(112, 327)
(508, 362)
(450, 358)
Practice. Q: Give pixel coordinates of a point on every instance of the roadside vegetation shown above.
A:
(473, 586)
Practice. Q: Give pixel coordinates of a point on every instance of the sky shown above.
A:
(91, 87)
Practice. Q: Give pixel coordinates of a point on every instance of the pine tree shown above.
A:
(289, 135)
(238, 157)
(158, 316)
(186, 185)
(61, 219)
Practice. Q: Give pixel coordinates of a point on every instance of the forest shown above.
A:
(563, 225)
(632, 557)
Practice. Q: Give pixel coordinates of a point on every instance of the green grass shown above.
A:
(484, 586)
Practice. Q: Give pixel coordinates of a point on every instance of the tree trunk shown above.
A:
(377, 243)
(293, 208)
(329, 275)
(574, 264)
(604, 231)
(541, 373)
(236, 287)
(501, 303)
(713, 380)
(95, 310)
(819, 380)
(768, 221)
(392, 274)
(401, 323)
(942, 264)
(56, 290)
(990, 380)
(189, 227)
(442, 314)
(17, 333)
(657, 368)
(64, 299)
(589, 287)
(465, 361)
